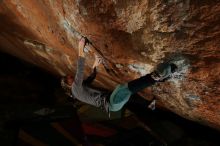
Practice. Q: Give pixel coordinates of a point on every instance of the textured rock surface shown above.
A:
(133, 36)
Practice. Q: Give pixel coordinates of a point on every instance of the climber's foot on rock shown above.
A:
(164, 71)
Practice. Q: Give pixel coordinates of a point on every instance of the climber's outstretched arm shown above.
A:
(97, 62)
(90, 78)
(80, 64)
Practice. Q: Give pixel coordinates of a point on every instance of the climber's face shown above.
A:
(69, 80)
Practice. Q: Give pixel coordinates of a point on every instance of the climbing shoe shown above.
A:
(163, 71)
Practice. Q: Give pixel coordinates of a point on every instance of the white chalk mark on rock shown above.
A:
(141, 68)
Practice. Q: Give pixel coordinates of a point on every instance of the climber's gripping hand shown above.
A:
(87, 48)
(82, 43)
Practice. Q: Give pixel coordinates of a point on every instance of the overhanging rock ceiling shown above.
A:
(133, 37)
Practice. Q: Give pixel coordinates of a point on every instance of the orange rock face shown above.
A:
(133, 37)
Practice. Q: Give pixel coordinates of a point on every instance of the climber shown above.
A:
(106, 100)
(81, 89)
